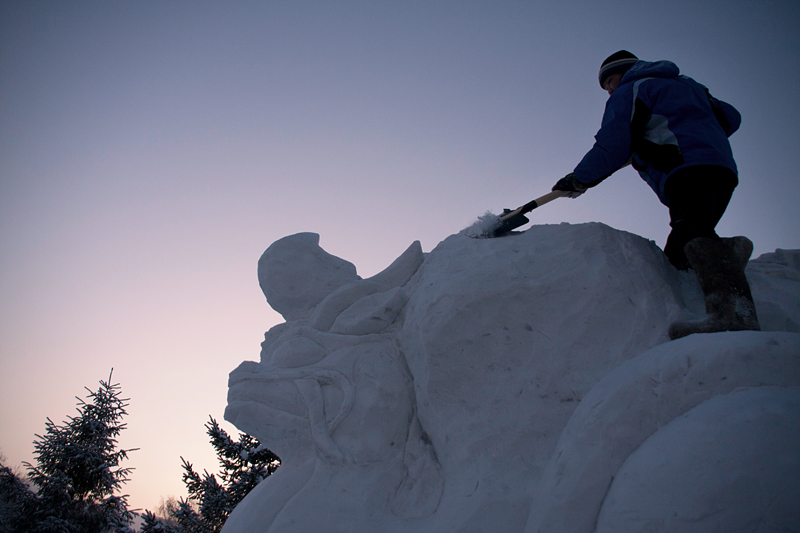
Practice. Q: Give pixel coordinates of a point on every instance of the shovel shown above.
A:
(510, 220)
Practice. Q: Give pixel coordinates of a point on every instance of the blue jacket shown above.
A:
(660, 122)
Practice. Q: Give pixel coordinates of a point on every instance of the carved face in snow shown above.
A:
(287, 409)
(322, 378)
(353, 405)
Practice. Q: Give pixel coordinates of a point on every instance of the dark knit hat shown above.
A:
(617, 62)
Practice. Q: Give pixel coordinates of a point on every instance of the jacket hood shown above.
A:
(651, 69)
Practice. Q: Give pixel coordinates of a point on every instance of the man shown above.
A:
(675, 134)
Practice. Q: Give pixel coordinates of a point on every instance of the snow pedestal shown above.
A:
(441, 394)
(662, 443)
(739, 469)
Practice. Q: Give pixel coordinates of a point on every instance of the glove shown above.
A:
(570, 184)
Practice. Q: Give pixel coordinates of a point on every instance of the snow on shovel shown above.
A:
(489, 225)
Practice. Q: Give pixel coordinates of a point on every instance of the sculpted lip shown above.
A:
(268, 390)
(238, 403)
(276, 388)
(250, 371)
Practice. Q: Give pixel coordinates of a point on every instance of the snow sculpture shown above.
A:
(338, 407)
(520, 384)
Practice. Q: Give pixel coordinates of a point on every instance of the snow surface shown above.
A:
(523, 383)
(484, 227)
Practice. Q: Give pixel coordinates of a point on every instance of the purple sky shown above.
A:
(150, 151)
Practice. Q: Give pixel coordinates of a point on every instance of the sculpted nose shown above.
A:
(247, 367)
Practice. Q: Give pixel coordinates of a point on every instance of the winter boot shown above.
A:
(729, 304)
(742, 246)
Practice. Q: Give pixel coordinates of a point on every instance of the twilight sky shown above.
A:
(150, 151)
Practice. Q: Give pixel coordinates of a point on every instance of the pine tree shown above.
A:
(154, 524)
(15, 497)
(244, 463)
(77, 473)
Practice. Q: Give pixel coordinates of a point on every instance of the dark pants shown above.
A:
(697, 199)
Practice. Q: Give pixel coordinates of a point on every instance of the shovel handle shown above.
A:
(533, 204)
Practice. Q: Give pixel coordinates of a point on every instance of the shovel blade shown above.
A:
(510, 224)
